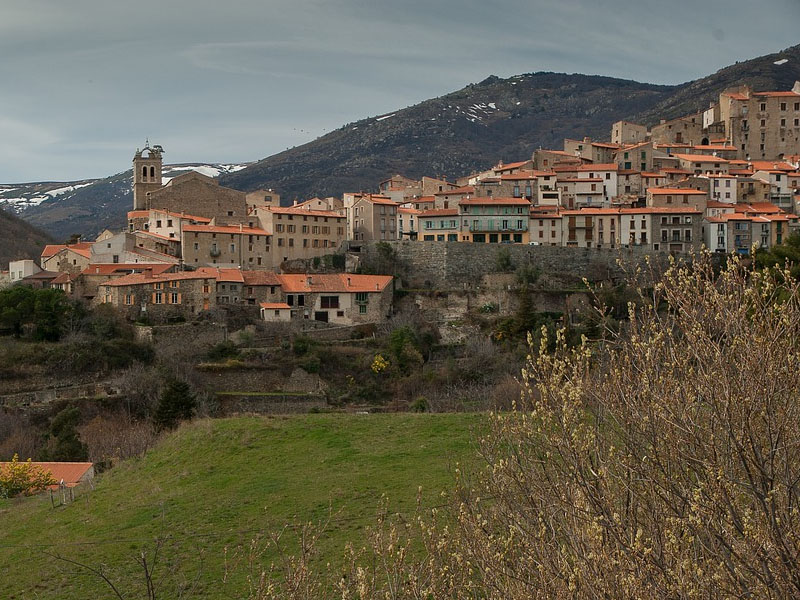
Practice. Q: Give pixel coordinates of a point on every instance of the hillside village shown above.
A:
(726, 178)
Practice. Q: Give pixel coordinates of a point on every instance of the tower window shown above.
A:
(144, 173)
(152, 172)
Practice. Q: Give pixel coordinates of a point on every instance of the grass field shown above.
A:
(219, 483)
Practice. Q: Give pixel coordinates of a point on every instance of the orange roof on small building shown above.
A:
(70, 473)
(138, 214)
(146, 278)
(222, 274)
(336, 282)
(788, 94)
(757, 207)
(275, 306)
(260, 278)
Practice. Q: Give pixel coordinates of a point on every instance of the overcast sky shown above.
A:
(84, 82)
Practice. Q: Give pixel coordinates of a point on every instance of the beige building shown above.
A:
(300, 232)
(545, 226)
(370, 217)
(683, 130)
(674, 197)
(625, 132)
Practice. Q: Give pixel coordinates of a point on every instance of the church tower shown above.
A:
(146, 174)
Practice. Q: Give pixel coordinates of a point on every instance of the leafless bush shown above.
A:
(18, 436)
(114, 437)
(142, 387)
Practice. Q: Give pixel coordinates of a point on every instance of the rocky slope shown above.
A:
(19, 239)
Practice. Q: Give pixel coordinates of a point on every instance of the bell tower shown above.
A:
(146, 174)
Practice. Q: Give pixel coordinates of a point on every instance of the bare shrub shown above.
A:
(662, 463)
(115, 437)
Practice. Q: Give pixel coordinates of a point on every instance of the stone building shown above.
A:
(370, 217)
(226, 246)
(160, 297)
(761, 124)
(299, 232)
(341, 298)
(683, 130)
(625, 132)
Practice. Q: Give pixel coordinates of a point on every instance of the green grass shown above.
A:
(219, 483)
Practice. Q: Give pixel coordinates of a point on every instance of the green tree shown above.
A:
(64, 443)
(503, 261)
(177, 403)
(46, 310)
(16, 307)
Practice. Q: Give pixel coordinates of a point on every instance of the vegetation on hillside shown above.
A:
(661, 464)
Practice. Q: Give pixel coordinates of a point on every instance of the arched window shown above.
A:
(144, 173)
(152, 172)
(704, 141)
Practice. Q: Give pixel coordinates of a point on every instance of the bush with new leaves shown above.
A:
(23, 478)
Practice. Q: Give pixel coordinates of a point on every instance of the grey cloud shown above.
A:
(85, 81)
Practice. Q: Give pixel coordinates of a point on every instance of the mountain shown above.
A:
(19, 239)
(464, 131)
(497, 119)
(89, 206)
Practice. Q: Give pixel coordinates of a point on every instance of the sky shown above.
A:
(83, 83)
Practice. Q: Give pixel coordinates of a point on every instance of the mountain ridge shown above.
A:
(464, 131)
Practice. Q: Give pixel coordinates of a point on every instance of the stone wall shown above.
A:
(458, 265)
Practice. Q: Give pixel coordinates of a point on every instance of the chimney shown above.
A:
(309, 280)
(348, 282)
(97, 269)
(376, 287)
(148, 273)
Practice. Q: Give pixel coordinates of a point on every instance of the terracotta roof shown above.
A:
(295, 210)
(439, 212)
(260, 278)
(757, 207)
(275, 305)
(766, 165)
(598, 167)
(496, 201)
(408, 210)
(52, 249)
(338, 282)
(721, 148)
(63, 277)
(180, 215)
(581, 179)
(674, 171)
(700, 158)
(515, 165)
(467, 189)
(138, 214)
(222, 274)
(716, 204)
(141, 278)
(674, 191)
(520, 175)
(788, 94)
(122, 269)
(69, 472)
(605, 145)
(225, 229)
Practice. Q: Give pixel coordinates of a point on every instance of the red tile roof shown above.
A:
(138, 214)
(122, 269)
(788, 94)
(700, 158)
(260, 278)
(598, 167)
(439, 212)
(141, 278)
(69, 472)
(222, 274)
(296, 210)
(275, 305)
(338, 282)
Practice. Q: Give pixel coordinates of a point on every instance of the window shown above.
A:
(158, 298)
(329, 301)
(174, 298)
(783, 106)
(362, 309)
(762, 107)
